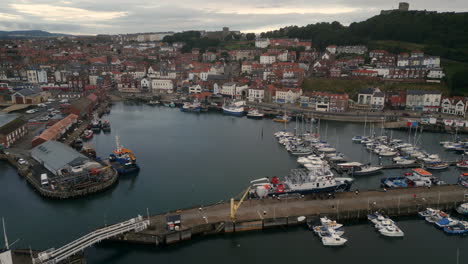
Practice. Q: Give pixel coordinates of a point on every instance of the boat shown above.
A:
(106, 126)
(459, 229)
(282, 118)
(435, 218)
(446, 222)
(301, 181)
(387, 153)
(123, 160)
(391, 231)
(374, 217)
(463, 164)
(428, 212)
(358, 139)
(235, 108)
(191, 107)
(366, 170)
(88, 134)
(96, 125)
(254, 114)
(325, 221)
(462, 209)
(437, 166)
(463, 179)
(154, 102)
(322, 231)
(333, 240)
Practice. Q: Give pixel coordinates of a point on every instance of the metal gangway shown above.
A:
(53, 256)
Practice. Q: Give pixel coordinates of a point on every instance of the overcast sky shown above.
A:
(132, 16)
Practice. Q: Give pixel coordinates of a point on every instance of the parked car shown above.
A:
(405, 114)
(22, 161)
(64, 101)
(42, 105)
(50, 100)
(31, 111)
(44, 180)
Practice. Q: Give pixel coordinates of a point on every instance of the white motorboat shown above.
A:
(428, 212)
(322, 231)
(384, 223)
(391, 231)
(330, 223)
(333, 240)
(462, 209)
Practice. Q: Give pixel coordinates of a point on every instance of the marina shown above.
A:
(268, 159)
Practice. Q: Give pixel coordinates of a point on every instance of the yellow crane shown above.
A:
(235, 207)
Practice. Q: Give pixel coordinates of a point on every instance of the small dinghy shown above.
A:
(462, 209)
(428, 212)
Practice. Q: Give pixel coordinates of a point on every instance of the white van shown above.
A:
(44, 180)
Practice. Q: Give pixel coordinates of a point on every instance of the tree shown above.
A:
(250, 36)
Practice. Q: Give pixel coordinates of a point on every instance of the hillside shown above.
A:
(28, 34)
(443, 34)
(439, 34)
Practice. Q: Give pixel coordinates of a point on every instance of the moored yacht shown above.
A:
(254, 114)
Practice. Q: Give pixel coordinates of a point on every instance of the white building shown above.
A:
(32, 76)
(436, 73)
(93, 79)
(228, 89)
(373, 97)
(267, 59)
(262, 43)
(289, 96)
(146, 83)
(453, 106)
(195, 89)
(431, 61)
(427, 101)
(256, 95)
(42, 76)
(162, 85)
(331, 49)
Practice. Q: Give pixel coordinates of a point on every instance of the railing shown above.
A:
(52, 256)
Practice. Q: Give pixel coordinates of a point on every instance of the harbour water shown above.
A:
(192, 159)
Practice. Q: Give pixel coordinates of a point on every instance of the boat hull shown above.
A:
(339, 188)
(233, 113)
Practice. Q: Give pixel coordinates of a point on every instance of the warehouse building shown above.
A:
(59, 158)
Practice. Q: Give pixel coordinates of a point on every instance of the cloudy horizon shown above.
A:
(89, 17)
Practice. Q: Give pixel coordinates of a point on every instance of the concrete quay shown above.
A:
(257, 214)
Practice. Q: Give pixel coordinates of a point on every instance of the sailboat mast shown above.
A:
(7, 245)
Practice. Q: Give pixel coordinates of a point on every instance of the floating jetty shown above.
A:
(258, 214)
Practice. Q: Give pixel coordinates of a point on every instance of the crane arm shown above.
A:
(235, 207)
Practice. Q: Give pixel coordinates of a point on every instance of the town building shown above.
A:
(454, 106)
(419, 100)
(372, 97)
(56, 130)
(12, 131)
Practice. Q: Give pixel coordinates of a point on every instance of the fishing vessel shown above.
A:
(301, 181)
(254, 114)
(123, 160)
(96, 125)
(191, 107)
(106, 126)
(446, 222)
(234, 108)
(459, 229)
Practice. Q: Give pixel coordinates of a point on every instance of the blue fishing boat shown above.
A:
(458, 229)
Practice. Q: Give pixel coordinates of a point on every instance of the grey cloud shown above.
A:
(165, 15)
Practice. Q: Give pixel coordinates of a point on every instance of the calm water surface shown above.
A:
(198, 159)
